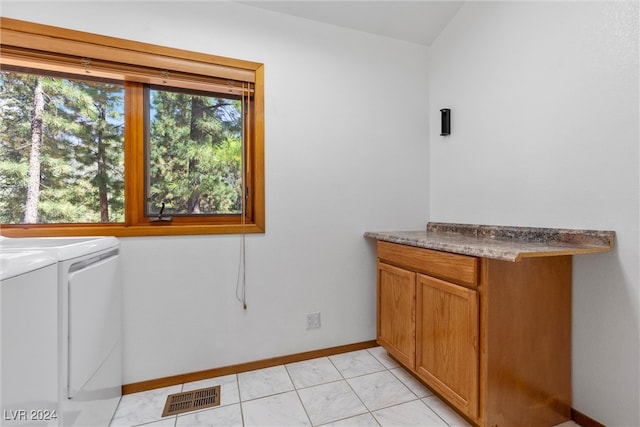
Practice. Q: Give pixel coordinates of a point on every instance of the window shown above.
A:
(109, 136)
(194, 152)
(61, 149)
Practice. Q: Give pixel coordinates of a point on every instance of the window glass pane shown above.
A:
(194, 153)
(61, 149)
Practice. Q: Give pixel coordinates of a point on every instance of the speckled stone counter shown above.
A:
(506, 243)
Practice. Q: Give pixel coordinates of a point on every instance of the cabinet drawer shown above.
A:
(460, 269)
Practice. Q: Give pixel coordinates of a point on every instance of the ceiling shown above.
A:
(416, 21)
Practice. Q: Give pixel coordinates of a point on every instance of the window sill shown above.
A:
(121, 230)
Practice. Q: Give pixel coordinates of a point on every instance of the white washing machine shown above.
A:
(29, 338)
(89, 325)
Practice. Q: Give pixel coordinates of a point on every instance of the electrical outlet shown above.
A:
(313, 320)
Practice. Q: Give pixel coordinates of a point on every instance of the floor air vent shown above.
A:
(191, 400)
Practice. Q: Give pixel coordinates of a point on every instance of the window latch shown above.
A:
(161, 218)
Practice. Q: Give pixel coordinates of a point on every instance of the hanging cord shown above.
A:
(241, 282)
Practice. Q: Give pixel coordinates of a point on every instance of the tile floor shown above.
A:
(360, 388)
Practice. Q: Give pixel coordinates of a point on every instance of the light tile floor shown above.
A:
(360, 388)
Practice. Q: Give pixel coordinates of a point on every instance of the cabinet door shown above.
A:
(396, 312)
(447, 355)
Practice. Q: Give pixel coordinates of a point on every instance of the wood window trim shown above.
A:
(22, 40)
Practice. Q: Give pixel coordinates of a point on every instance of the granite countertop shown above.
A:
(506, 243)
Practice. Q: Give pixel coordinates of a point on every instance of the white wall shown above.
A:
(346, 151)
(544, 100)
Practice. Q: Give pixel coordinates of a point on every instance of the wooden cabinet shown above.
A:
(447, 341)
(490, 337)
(397, 319)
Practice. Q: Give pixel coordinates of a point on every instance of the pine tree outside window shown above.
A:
(194, 156)
(61, 149)
(135, 139)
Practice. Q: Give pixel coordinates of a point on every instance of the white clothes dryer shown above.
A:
(89, 325)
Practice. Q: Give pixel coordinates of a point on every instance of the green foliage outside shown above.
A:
(194, 156)
(81, 154)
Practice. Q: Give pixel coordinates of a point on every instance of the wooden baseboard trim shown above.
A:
(584, 420)
(243, 367)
